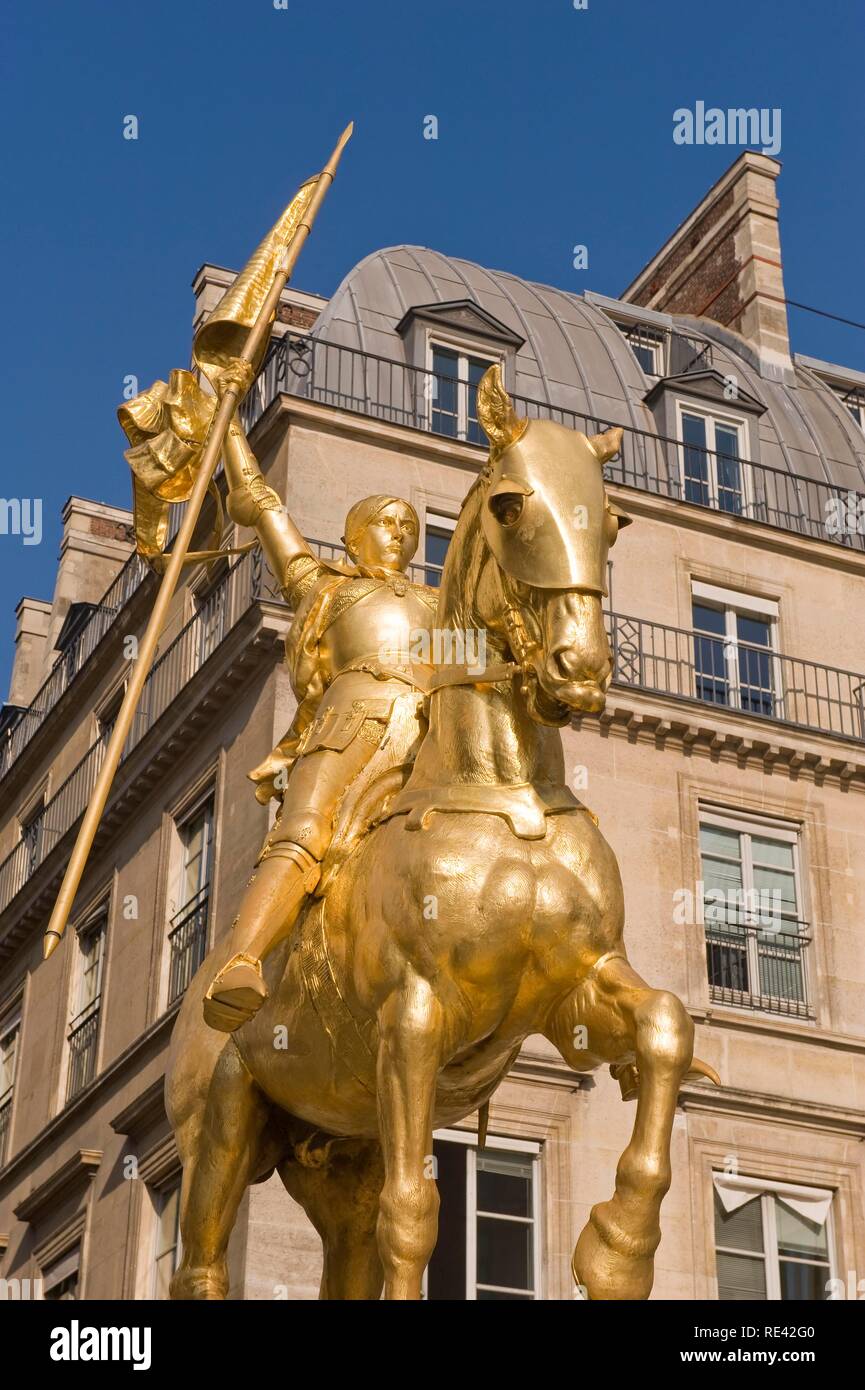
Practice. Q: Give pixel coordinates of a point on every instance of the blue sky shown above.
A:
(555, 128)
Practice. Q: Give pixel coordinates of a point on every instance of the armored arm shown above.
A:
(252, 502)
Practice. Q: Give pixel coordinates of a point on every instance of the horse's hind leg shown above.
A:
(649, 1035)
(222, 1152)
(338, 1186)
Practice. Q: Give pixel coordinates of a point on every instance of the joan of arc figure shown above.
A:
(346, 617)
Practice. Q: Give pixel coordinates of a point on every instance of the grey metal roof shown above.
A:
(574, 357)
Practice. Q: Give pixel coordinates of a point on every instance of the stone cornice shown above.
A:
(76, 1172)
(700, 729)
(774, 1109)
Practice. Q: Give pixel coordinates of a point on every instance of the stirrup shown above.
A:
(236, 994)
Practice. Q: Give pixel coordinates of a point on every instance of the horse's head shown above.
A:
(549, 524)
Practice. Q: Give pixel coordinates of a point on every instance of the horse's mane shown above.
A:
(463, 562)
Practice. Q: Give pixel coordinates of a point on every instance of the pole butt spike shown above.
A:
(483, 1124)
(50, 942)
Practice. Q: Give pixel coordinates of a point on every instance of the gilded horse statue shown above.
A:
(467, 901)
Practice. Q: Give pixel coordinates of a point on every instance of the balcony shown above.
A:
(757, 682)
(245, 583)
(82, 1039)
(760, 967)
(187, 941)
(67, 666)
(5, 1124)
(382, 389)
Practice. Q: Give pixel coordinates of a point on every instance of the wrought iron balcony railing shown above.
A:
(757, 965)
(5, 1124)
(401, 394)
(187, 941)
(246, 581)
(752, 680)
(67, 666)
(82, 1040)
(388, 390)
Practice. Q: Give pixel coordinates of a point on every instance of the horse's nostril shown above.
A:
(566, 664)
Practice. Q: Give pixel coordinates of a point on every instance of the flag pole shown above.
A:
(147, 646)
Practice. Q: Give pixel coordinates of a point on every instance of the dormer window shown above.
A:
(450, 346)
(854, 403)
(647, 346)
(712, 450)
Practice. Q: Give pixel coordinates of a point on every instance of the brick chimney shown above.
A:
(724, 262)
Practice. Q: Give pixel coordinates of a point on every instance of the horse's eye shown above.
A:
(507, 508)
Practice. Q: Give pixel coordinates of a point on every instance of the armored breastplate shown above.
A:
(375, 618)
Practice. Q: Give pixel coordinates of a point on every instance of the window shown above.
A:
(60, 1280)
(187, 934)
(83, 1035)
(734, 660)
(32, 825)
(488, 1220)
(647, 346)
(10, 1028)
(772, 1240)
(751, 898)
(167, 1251)
(439, 530)
(854, 402)
(711, 460)
(454, 382)
(106, 717)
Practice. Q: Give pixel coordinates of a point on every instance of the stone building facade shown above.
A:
(727, 771)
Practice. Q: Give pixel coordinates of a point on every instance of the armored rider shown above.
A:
(346, 616)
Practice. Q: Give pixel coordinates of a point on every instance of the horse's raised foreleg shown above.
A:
(616, 1016)
(222, 1153)
(410, 1028)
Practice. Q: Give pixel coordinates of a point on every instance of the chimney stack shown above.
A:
(724, 262)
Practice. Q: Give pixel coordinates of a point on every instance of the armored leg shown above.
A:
(288, 869)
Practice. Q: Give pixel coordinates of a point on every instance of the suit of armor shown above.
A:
(348, 654)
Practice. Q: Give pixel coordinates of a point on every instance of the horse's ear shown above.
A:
(605, 446)
(500, 422)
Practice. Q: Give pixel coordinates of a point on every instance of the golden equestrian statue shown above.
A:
(383, 1019)
(431, 892)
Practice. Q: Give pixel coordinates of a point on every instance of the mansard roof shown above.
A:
(573, 356)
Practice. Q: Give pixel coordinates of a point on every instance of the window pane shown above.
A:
(496, 1295)
(444, 413)
(646, 356)
(197, 837)
(505, 1184)
(436, 548)
(803, 1283)
(709, 619)
(740, 1278)
(741, 1229)
(729, 472)
(696, 460)
(710, 659)
(504, 1253)
(799, 1236)
(767, 851)
(476, 368)
(757, 631)
(715, 840)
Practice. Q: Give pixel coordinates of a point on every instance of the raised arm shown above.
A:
(252, 502)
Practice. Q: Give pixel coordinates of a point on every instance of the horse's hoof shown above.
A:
(610, 1265)
(199, 1283)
